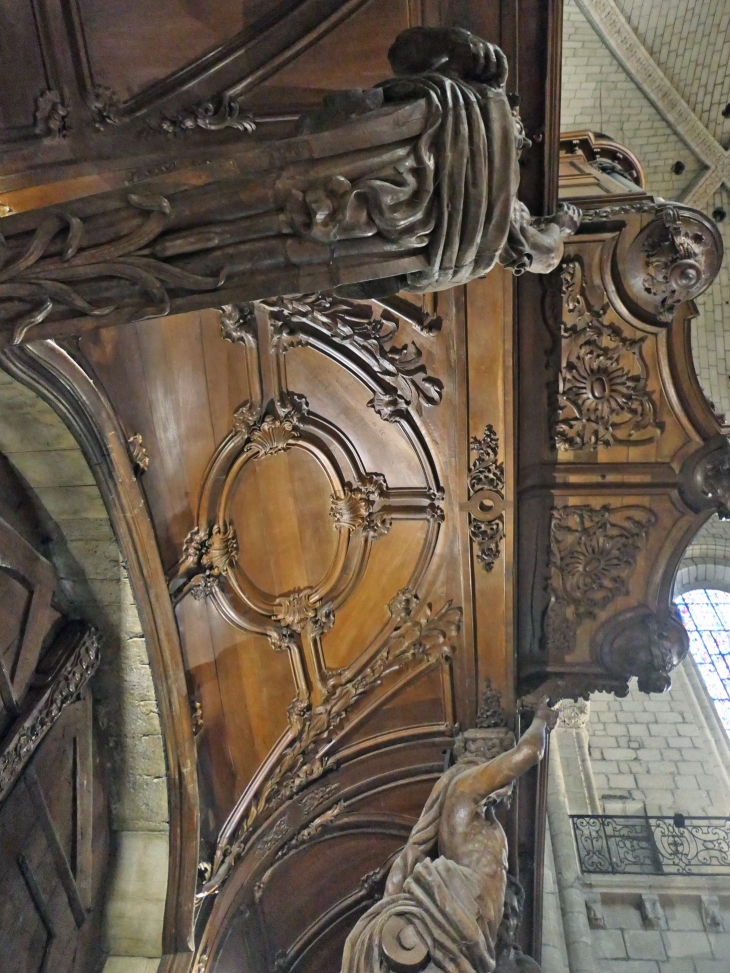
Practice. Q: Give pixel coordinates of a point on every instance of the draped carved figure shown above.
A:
(444, 914)
(411, 185)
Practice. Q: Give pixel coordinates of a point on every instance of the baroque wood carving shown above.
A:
(486, 498)
(593, 554)
(76, 660)
(128, 256)
(603, 398)
(420, 639)
(445, 912)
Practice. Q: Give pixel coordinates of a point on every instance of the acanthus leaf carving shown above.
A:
(486, 484)
(593, 553)
(424, 641)
(105, 105)
(294, 609)
(212, 115)
(491, 714)
(355, 509)
(238, 322)
(405, 381)
(138, 454)
(603, 396)
(208, 554)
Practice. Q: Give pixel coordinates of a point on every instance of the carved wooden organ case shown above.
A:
(621, 457)
(358, 516)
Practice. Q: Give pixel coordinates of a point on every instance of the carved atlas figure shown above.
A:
(409, 186)
(443, 914)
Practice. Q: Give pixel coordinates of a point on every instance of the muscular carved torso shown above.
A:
(471, 835)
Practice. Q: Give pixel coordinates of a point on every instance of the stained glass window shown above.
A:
(706, 616)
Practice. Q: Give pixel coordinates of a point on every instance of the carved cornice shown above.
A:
(603, 396)
(404, 380)
(486, 494)
(593, 553)
(61, 687)
(422, 641)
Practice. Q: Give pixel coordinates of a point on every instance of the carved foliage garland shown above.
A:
(422, 641)
(603, 398)
(403, 377)
(593, 554)
(486, 489)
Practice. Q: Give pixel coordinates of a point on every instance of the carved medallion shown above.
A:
(603, 397)
(593, 554)
(486, 493)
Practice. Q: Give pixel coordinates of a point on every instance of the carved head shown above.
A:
(646, 645)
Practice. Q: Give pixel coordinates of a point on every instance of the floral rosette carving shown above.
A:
(603, 397)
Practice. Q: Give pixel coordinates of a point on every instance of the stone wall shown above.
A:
(94, 585)
(644, 754)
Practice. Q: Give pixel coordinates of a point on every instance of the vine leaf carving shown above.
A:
(593, 553)
(486, 483)
(404, 380)
(424, 641)
(603, 397)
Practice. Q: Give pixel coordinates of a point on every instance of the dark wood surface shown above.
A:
(177, 383)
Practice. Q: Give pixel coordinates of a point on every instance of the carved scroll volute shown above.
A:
(673, 259)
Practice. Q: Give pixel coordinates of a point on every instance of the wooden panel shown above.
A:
(134, 44)
(23, 74)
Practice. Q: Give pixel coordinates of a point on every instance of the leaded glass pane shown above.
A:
(706, 616)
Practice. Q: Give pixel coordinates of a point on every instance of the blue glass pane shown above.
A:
(706, 616)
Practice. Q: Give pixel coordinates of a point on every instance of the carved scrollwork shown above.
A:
(63, 686)
(295, 609)
(238, 322)
(486, 493)
(421, 641)
(593, 553)
(644, 644)
(405, 382)
(105, 105)
(51, 115)
(603, 396)
(213, 115)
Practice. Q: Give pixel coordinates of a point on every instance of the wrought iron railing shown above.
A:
(627, 845)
